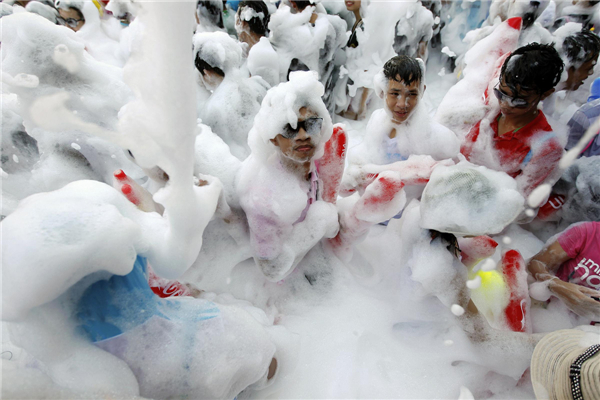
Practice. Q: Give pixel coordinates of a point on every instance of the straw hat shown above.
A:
(559, 353)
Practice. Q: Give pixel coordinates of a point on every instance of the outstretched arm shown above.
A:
(578, 298)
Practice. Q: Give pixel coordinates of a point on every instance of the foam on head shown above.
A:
(281, 106)
(218, 49)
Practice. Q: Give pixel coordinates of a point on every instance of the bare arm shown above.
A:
(577, 298)
(547, 261)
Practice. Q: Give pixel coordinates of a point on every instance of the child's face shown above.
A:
(517, 103)
(401, 99)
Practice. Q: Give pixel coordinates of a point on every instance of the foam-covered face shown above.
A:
(401, 99)
(353, 5)
(532, 99)
(72, 18)
(576, 76)
(302, 146)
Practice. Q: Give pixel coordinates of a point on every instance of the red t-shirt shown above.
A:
(581, 242)
(529, 154)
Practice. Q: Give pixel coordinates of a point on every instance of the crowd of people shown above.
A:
(316, 124)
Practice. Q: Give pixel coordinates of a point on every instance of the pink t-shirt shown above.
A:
(582, 243)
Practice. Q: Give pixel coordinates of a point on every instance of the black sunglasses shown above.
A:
(511, 101)
(312, 126)
(70, 22)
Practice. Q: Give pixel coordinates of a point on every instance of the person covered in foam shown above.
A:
(235, 98)
(251, 24)
(515, 136)
(402, 128)
(579, 50)
(446, 236)
(87, 19)
(307, 38)
(278, 184)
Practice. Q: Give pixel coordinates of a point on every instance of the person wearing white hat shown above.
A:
(566, 365)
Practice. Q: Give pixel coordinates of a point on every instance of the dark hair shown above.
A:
(296, 65)
(581, 47)
(212, 12)
(406, 67)
(202, 65)
(535, 67)
(256, 24)
(302, 4)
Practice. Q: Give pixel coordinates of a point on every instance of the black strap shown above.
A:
(575, 370)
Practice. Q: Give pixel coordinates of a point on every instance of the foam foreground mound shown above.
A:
(54, 239)
(468, 200)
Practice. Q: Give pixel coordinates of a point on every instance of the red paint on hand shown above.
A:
(388, 189)
(331, 165)
(513, 265)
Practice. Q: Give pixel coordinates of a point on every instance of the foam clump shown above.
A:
(55, 239)
(469, 200)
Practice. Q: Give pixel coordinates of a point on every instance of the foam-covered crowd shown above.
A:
(300, 199)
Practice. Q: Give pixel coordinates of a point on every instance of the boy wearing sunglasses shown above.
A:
(517, 138)
(281, 187)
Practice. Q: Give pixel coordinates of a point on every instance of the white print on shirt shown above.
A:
(588, 265)
(556, 203)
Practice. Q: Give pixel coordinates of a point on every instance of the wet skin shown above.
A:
(401, 99)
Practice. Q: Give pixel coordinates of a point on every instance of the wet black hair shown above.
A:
(257, 25)
(302, 4)
(535, 67)
(202, 65)
(407, 68)
(581, 47)
(213, 12)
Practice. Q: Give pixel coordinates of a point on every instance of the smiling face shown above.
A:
(401, 99)
(576, 76)
(352, 5)
(301, 147)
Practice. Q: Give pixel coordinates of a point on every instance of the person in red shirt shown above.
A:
(517, 139)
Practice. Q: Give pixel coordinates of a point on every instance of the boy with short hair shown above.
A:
(403, 127)
(518, 139)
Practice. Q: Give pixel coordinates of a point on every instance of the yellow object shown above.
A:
(491, 297)
(99, 7)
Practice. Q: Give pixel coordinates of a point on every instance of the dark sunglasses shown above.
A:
(70, 22)
(312, 126)
(511, 101)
